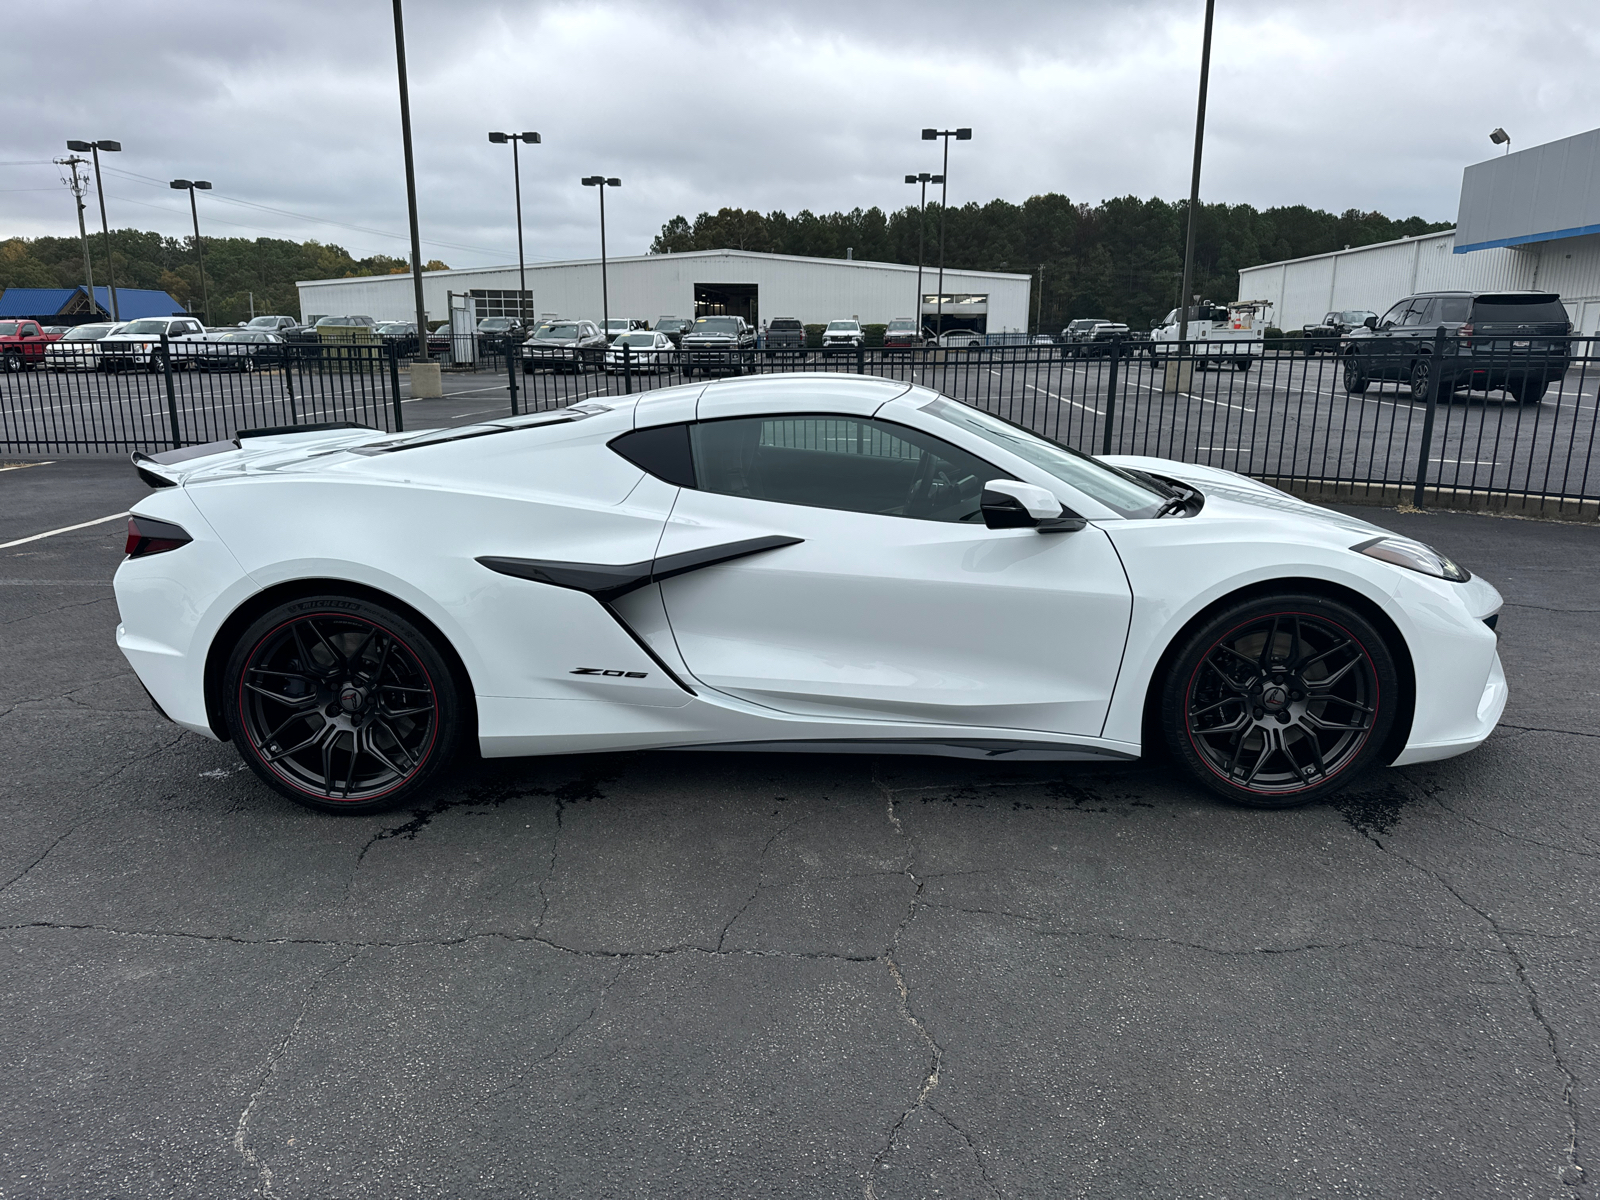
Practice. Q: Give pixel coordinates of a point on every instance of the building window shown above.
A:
(488, 303)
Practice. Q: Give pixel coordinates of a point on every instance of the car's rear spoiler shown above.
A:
(150, 466)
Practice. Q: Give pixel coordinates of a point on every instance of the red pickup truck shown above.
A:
(22, 344)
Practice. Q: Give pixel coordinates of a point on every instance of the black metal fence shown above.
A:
(92, 397)
(1482, 422)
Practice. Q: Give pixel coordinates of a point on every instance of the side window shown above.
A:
(1417, 313)
(839, 462)
(1450, 309)
(1395, 315)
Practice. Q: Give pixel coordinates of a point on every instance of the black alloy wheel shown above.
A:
(1421, 371)
(1355, 378)
(341, 704)
(1276, 702)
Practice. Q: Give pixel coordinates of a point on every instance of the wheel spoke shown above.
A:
(294, 701)
(1322, 685)
(1227, 680)
(328, 743)
(371, 747)
(293, 717)
(299, 746)
(1200, 712)
(1316, 753)
(411, 761)
(1319, 657)
(1244, 658)
(1266, 647)
(1315, 722)
(328, 646)
(1268, 738)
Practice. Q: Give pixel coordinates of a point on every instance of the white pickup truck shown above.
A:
(1219, 334)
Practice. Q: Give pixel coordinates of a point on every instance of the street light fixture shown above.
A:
(532, 139)
(109, 147)
(180, 185)
(929, 135)
(1501, 138)
(601, 182)
(924, 179)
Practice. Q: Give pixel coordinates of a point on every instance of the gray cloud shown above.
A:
(292, 105)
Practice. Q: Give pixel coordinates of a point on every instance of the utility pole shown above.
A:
(94, 148)
(1194, 189)
(411, 182)
(928, 135)
(80, 187)
(1038, 312)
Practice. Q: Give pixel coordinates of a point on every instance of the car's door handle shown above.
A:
(606, 582)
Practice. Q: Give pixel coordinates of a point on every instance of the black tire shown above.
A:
(1531, 390)
(1355, 378)
(371, 703)
(1281, 700)
(248, 365)
(1421, 371)
(1241, 364)
(13, 361)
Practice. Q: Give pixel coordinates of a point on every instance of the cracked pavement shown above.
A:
(769, 975)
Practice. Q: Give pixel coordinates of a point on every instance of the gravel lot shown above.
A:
(706, 974)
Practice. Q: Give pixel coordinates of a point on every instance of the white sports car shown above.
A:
(791, 562)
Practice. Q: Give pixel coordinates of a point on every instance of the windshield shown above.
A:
(637, 339)
(493, 324)
(844, 326)
(265, 323)
(620, 326)
(901, 326)
(87, 333)
(8, 328)
(1354, 316)
(716, 325)
(1117, 491)
(149, 326)
(557, 331)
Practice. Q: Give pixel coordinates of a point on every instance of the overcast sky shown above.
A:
(292, 106)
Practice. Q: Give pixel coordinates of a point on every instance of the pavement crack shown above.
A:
(1515, 837)
(34, 616)
(756, 891)
(1572, 1173)
(15, 878)
(139, 758)
(269, 1072)
(1545, 729)
(562, 1041)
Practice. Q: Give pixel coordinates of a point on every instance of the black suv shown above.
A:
(1511, 340)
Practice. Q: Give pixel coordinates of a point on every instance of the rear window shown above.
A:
(785, 323)
(1490, 310)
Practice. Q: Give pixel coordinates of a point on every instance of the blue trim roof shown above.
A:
(1524, 239)
(132, 303)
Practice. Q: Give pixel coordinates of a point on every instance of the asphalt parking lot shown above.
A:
(703, 974)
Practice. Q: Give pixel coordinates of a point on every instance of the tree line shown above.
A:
(1121, 259)
(236, 267)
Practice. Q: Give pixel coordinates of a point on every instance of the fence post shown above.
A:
(512, 353)
(394, 385)
(627, 369)
(1111, 394)
(1427, 421)
(861, 359)
(172, 398)
(291, 360)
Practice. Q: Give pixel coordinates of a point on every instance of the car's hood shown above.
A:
(1234, 489)
(553, 343)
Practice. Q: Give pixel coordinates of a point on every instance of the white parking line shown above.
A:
(1053, 396)
(25, 466)
(63, 529)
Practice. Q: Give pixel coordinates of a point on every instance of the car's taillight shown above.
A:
(148, 536)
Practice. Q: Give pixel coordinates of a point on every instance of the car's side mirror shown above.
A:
(1008, 504)
(1371, 322)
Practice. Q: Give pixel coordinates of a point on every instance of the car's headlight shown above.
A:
(1413, 556)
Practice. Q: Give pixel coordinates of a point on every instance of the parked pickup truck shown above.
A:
(1219, 335)
(718, 344)
(786, 333)
(1323, 336)
(22, 344)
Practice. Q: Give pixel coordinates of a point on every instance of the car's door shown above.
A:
(1382, 349)
(894, 602)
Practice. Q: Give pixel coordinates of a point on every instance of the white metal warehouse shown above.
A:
(1529, 220)
(755, 286)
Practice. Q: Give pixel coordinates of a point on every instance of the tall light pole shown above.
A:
(601, 182)
(1194, 189)
(1038, 311)
(411, 182)
(111, 268)
(929, 135)
(189, 185)
(532, 139)
(79, 185)
(924, 179)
